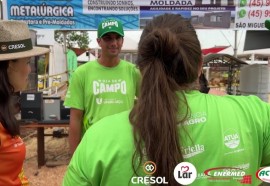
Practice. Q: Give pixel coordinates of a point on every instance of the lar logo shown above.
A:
(149, 167)
(264, 174)
(185, 173)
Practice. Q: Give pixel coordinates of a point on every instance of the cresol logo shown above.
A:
(149, 168)
(264, 174)
(17, 46)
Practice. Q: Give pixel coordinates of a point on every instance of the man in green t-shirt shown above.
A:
(102, 87)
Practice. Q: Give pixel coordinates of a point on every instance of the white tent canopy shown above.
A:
(84, 58)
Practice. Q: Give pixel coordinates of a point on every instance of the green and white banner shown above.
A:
(134, 14)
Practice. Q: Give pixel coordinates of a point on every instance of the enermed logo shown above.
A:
(185, 173)
(228, 174)
(149, 168)
(264, 174)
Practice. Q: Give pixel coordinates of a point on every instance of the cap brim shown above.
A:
(36, 51)
(112, 31)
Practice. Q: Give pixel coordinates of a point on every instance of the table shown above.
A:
(40, 126)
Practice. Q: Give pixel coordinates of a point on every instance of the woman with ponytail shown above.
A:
(173, 122)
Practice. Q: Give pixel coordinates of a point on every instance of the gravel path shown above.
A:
(56, 152)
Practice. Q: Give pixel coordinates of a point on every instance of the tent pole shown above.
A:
(232, 89)
(235, 44)
(65, 50)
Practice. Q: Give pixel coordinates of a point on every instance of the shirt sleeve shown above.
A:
(79, 168)
(266, 136)
(75, 94)
(74, 177)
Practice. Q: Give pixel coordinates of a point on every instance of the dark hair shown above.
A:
(7, 104)
(203, 84)
(169, 56)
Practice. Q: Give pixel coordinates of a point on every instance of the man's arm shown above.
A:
(75, 129)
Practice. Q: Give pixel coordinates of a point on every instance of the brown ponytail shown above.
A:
(168, 54)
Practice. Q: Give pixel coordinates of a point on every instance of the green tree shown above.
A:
(41, 67)
(73, 38)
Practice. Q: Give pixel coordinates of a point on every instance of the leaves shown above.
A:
(73, 39)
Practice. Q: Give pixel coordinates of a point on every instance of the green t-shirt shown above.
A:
(228, 131)
(102, 91)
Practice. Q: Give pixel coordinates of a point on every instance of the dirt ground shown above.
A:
(56, 155)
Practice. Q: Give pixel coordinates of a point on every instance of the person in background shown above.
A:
(174, 122)
(102, 87)
(203, 84)
(204, 88)
(15, 52)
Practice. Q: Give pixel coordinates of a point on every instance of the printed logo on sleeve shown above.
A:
(264, 174)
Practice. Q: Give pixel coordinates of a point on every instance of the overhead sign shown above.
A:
(252, 14)
(134, 14)
(61, 15)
